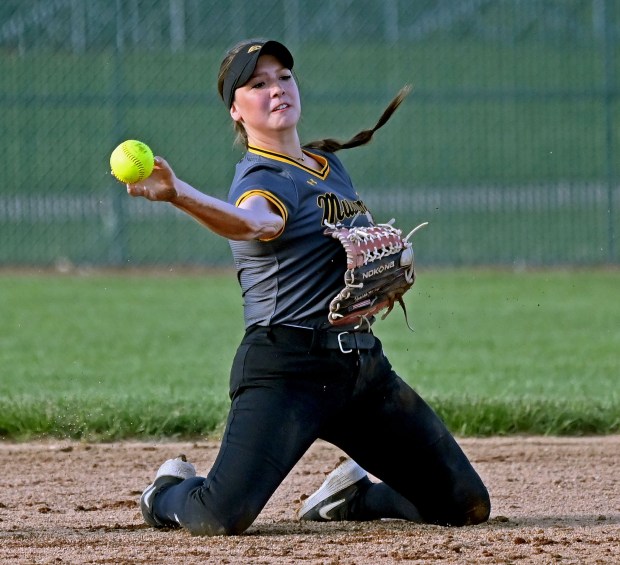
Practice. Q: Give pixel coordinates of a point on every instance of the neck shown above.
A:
(286, 145)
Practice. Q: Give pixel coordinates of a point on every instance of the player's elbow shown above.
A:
(259, 229)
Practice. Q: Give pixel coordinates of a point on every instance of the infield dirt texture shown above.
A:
(555, 500)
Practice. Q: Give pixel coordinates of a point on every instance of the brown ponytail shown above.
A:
(364, 136)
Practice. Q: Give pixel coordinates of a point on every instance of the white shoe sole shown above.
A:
(341, 477)
(176, 468)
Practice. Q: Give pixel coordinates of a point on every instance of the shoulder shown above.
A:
(254, 168)
(251, 163)
(256, 175)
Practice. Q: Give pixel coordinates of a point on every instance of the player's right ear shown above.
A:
(235, 114)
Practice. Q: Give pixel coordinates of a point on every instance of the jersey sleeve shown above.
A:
(272, 183)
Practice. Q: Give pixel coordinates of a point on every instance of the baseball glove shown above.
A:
(380, 269)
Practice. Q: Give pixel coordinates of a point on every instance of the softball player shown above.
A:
(295, 379)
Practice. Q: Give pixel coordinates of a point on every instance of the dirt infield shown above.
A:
(555, 500)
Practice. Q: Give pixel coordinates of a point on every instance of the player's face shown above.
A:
(269, 101)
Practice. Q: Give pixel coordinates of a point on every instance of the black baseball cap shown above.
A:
(244, 63)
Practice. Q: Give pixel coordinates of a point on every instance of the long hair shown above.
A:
(332, 145)
(241, 135)
(329, 145)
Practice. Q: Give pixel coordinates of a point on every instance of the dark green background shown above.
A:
(507, 145)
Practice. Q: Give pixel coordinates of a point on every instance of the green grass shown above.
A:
(108, 356)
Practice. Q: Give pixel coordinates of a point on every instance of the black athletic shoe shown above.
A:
(331, 502)
(171, 472)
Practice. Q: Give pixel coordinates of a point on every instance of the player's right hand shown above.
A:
(160, 186)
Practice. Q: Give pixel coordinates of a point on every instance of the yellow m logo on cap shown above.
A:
(254, 48)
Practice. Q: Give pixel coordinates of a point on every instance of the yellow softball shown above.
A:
(132, 161)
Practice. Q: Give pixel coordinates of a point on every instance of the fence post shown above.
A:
(176, 10)
(118, 240)
(609, 95)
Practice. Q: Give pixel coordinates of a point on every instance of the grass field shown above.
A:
(110, 356)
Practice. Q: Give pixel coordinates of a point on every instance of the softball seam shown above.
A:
(136, 162)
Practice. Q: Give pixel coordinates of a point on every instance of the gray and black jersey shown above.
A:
(291, 278)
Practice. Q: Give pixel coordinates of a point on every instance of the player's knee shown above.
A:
(229, 526)
(468, 509)
(478, 509)
(478, 513)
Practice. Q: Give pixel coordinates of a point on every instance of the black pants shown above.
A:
(286, 393)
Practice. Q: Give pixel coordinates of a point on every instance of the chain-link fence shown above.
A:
(508, 144)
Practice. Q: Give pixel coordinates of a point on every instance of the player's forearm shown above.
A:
(220, 217)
